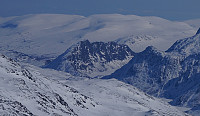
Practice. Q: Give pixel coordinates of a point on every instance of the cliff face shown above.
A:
(93, 59)
(173, 74)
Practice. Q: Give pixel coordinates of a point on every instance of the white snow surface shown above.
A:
(117, 98)
(29, 90)
(194, 23)
(187, 46)
(51, 34)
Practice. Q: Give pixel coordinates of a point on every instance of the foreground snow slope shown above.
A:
(28, 90)
(116, 97)
(39, 38)
(122, 99)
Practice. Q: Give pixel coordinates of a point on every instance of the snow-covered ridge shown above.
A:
(27, 92)
(194, 23)
(187, 46)
(198, 32)
(173, 74)
(149, 70)
(137, 43)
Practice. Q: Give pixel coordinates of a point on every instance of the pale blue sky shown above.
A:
(169, 9)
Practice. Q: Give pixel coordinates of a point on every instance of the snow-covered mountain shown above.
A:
(33, 39)
(188, 46)
(92, 59)
(173, 74)
(149, 70)
(138, 42)
(28, 90)
(185, 89)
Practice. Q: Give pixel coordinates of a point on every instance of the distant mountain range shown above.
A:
(33, 39)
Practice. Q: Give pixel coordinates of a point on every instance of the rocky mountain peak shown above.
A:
(151, 49)
(173, 74)
(88, 58)
(187, 46)
(198, 31)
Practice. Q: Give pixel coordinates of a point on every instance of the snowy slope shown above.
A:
(194, 23)
(173, 74)
(139, 42)
(123, 99)
(187, 46)
(92, 59)
(29, 90)
(115, 97)
(33, 39)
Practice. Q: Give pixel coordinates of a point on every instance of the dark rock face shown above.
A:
(187, 46)
(97, 50)
(173, 74)
(198, 31)
(16, 108)
(149, 70)
(85, 56)
(9, 25)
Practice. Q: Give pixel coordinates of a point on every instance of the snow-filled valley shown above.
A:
(100, 65)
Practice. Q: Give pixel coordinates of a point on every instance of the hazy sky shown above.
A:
(169, 9)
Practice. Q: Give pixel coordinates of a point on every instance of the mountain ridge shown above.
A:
(172, 74)
(34, 36)
(92, 59)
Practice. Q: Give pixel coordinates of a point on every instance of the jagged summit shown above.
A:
(198, 31)
(151, 49)
(97, 58)
(187, 46)
(149, 52)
